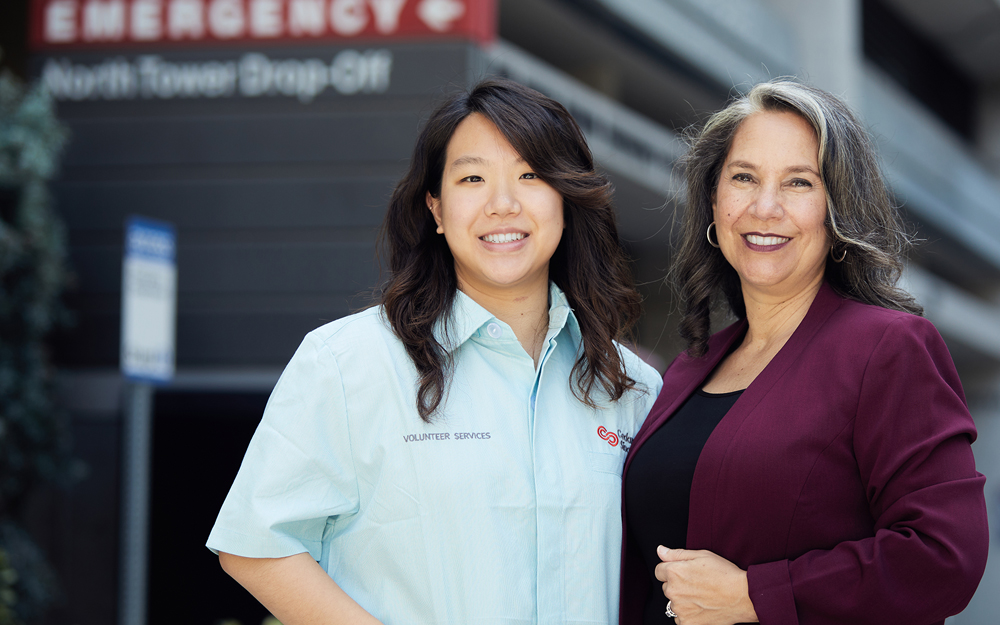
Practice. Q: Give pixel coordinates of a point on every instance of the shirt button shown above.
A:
(494, 330)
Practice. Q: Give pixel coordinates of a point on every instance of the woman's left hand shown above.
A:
(704, 589)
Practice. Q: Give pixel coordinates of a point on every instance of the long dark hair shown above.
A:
(862, 221)
(589, 264)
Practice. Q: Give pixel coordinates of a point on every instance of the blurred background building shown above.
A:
(270, 133)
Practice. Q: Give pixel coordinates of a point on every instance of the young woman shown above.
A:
(454, 455)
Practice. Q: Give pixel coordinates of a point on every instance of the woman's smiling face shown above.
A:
(770, 206)
(502, 222)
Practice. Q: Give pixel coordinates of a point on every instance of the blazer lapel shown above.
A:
(682, 378)
(706, 474)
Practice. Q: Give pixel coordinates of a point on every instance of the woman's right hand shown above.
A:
(704, 588)
(296, 590)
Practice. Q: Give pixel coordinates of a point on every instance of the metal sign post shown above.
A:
(149, 295)
(134, 536)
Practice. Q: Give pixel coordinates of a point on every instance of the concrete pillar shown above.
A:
(988, 131)
(828, 38)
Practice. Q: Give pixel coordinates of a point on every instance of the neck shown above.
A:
(526, 312)
(771, 320)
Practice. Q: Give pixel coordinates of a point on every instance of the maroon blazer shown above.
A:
(842, 479)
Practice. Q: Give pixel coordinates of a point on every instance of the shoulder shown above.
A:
(647, 379)
(866, 324)
(350, 353)
(884, 345)
(363, 330)
(352, 346)
(634, 405)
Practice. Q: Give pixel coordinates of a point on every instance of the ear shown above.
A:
(434, 204)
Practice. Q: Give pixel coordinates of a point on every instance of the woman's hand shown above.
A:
(703, 588)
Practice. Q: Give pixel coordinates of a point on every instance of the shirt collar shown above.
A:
(467, 317)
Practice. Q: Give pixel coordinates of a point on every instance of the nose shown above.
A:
(767, 205)
(503, 201)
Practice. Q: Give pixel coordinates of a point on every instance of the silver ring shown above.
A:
(670, 612)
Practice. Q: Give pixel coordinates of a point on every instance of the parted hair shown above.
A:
(589, 264)
(862, 220)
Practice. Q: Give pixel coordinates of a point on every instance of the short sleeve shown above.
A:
(298, 471)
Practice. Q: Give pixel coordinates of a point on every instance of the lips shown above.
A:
(765, 241)
(506, 237)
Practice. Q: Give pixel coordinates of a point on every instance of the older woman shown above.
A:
(444, 457)
(810, 463)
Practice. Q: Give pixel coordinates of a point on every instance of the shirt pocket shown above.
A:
(606, 463)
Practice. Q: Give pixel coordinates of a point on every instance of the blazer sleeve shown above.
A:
(912, 441)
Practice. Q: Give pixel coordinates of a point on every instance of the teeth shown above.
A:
(759, 240)
(503, 238)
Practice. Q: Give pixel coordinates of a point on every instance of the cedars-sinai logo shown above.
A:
(611, 437)
(616, 438)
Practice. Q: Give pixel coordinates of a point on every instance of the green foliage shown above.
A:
(34, 440)
(8, 598)
(34, 584)
(33, 443)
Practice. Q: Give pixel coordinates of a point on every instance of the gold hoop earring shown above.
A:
(708, 235)
(843, 255)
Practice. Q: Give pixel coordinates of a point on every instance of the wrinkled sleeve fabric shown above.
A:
(912, 441)
(298, 472)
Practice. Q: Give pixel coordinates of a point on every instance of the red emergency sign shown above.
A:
(59, 24)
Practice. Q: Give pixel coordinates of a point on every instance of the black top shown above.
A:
(658, 485)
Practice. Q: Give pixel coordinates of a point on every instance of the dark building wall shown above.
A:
(77, 527)
(277, 201)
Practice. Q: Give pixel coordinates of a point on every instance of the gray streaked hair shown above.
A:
(862, 221)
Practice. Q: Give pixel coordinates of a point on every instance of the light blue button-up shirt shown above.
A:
(505, 509)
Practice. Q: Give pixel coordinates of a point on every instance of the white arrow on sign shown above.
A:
(439, 14)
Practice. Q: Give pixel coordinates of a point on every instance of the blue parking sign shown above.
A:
(149, 300)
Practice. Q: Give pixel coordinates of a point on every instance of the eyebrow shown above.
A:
(462, 161)
(795, 169)
(467, 160)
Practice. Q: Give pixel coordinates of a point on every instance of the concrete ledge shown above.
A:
(98, 393)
